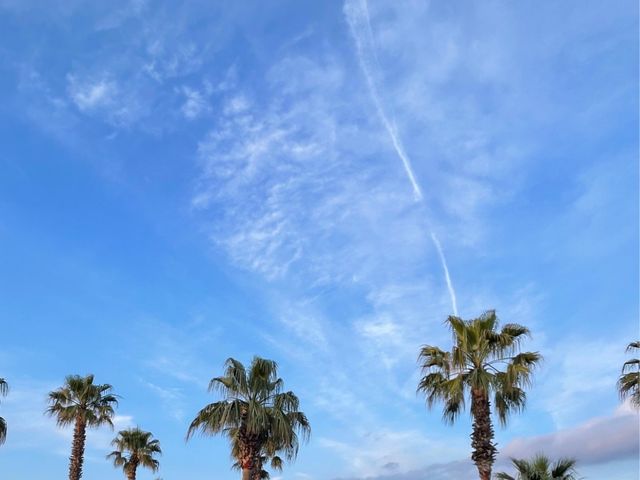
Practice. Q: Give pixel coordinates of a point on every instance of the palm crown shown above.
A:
(80, 398)
(134, 448)
(541, 468)
(4, 389)
(628, 383)
(483, 362)
(259, 418)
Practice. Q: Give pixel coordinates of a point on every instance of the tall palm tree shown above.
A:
(84, 404)
(482, 363)
(134, 448)
(257, 416)
(629, 381)
(4, 389)
(541, 468)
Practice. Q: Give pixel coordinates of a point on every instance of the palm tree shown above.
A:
(140, 448)
(84, 404)
(628, 383)
(482, 362)
(540, 468)
(4, 389)
(257, 416)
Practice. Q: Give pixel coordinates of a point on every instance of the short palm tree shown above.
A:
(629, 381)
(541, 468)
(135, 448)
(257, 416)
(84, 404)
(4, 389)
(482, 363)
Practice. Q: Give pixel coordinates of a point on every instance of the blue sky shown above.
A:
(184, 183)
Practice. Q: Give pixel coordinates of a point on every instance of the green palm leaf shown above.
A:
(629, 381)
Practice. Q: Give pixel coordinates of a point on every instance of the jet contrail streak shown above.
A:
(363, 36)
(443, 260)
(357, 13)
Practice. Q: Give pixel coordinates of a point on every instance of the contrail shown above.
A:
(357, 13)
(443, 260)
(363, 36)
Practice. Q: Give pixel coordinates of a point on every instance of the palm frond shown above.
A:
(255, 412)
(564, 469)
(633, 346)
(135, 447)
(4, 387)
(540, 468)
(79, 397)
(483, 358)
(3, 430)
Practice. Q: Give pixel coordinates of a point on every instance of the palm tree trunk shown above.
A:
(131, 471)
(246, 474)
(77, 449)
(257, 469)
(249, 467)
(247, 463)
(248, 449)
(484, 450)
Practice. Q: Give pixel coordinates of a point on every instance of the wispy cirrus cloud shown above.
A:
(196, 101)
(104, 98)
(293, 203)
(566, 394)
(92, 94)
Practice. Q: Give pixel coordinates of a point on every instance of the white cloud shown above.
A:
(454, 470)
(103, 98)
(567, 393)
(195, 103)
(176, 352)
(383, 450)
(90, 95)
(598, 440)
(172, 399)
